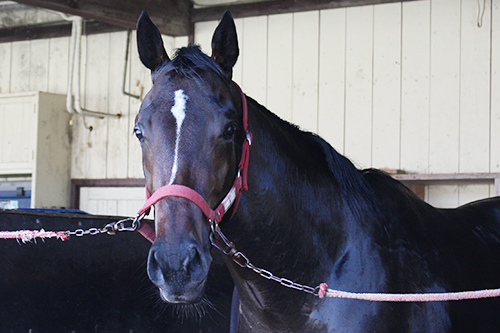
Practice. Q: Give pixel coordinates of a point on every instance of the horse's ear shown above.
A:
(149, 43)
(225, 49)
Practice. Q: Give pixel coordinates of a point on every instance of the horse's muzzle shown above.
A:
(179, 272)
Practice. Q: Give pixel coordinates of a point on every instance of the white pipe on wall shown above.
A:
(75, 57)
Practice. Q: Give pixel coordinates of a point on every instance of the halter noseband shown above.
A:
(232, 197)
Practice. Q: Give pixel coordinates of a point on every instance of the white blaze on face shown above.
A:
(179, 112)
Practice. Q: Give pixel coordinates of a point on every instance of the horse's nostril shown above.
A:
(154, 268)
(192, 262)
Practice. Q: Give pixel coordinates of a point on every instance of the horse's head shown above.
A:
(190, 129)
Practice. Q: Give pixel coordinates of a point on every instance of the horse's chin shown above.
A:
(191, 296)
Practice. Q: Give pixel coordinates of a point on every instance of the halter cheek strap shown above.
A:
(233, 196)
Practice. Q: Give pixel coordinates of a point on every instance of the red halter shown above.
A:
(233, 196)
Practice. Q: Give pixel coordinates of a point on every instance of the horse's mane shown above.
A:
(351, 182)
(189, 62)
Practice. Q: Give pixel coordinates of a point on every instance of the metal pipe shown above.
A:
(75, 43)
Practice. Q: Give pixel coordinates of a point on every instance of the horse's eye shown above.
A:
(138, 133)
(230, 130)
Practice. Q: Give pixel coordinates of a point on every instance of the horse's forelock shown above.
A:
(189, 62)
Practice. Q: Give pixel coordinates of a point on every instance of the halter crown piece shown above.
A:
(232, 197)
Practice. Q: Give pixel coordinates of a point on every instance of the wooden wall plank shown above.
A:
(254, 66)
(238, 67)
(118, 131)
(358, 103)
(386, 86)
(38, 67)
(78, 125)
(140, 83)
(415, 86)
(123, 201)
(95, 99)
(331, 88)
(203, 32)
(474, 88)
(444, 102)
(5, 67)
(305, 70)
(472, 192)
(445, 87)
(180, 42)
(279, 65)
(495, 88)
(20, 67)
(58, 65)
(442, 196)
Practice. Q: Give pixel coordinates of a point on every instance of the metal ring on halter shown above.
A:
(213, 224)
(249, 138)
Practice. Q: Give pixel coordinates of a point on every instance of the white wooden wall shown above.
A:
(412, 86)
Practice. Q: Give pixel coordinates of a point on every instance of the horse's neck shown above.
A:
(293, 221)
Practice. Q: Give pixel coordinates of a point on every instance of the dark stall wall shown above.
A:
(91, 283)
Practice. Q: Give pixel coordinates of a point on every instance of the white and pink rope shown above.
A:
(29, 235)
(424, 297)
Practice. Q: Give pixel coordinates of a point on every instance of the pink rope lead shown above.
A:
(426, 297)
(29, 235)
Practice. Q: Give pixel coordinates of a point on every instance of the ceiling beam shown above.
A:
(53, 30)
(171, 16)
(276, 7)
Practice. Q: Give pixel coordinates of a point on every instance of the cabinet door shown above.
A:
(17, 135)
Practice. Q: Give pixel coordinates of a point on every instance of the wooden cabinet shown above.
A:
(35, 143)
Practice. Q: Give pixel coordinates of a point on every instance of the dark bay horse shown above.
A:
(308, 216)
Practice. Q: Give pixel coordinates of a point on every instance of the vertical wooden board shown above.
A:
(475, 89)
(305, 70)
(331, 89)
(495, 88)
(84, 199)
(279, 65)
(358, 101)
(20, 67)
(140, 83)
(254, 67)
(386, 86)
(445, 87)
(123, 201)
(118, 129)
(472, 192)
(58, 65)
(442, 196)
(238, 67)
(415, 86)
(95, 99)
(169, 45)
(180, 42)
(80, 132)
(3, 139)
(203, 32)
(5, 67)
(39, 65)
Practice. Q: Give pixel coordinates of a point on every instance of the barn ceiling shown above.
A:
(31, 19)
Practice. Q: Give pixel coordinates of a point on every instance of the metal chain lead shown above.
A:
(241, 259)
(110, 228)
